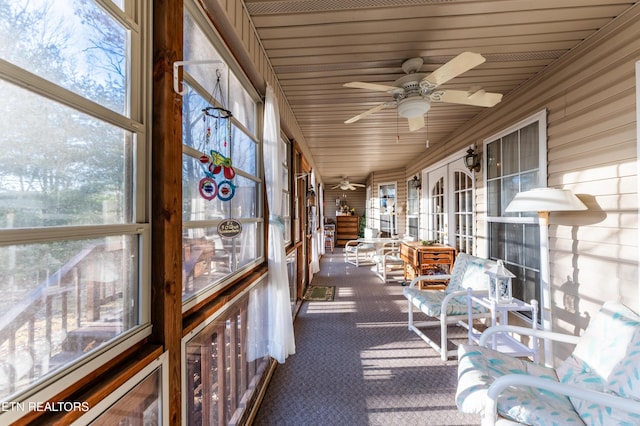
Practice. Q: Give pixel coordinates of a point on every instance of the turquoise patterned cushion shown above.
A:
(430, 302)
(604, 343)
(607, 359)
(469, 271)
(575, 372)
(478, 367)
(625, 377)
(600, 361)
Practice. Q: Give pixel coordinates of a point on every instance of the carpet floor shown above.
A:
(356, 363)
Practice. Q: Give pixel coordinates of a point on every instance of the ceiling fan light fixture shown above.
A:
(413, 107)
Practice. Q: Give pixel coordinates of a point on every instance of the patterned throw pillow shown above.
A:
(625, 377)
(605, 341)
(600, 357)
(478, 367)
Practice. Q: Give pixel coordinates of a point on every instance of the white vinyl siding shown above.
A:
(589, 96)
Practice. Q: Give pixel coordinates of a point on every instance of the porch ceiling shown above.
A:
(315, 46)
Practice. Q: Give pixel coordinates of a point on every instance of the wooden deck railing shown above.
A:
(63, 302)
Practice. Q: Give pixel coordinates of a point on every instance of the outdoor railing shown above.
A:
(35, 332)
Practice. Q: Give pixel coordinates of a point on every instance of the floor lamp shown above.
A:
(543, 201)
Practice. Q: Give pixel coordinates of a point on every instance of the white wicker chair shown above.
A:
(598, 384)
(449, 306)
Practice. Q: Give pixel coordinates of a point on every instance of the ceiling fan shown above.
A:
(414, 92)
(345, 184)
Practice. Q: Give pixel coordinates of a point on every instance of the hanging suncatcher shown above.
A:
(219, 173)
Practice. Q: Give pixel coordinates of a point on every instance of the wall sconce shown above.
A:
(472, 160)
(416, 182)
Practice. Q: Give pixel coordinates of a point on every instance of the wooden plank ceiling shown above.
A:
(315, 46)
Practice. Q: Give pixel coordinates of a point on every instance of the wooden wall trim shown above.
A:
(128, 365)
(200, 313)
(166, 204)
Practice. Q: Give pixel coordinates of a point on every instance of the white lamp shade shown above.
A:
(413, 107)
(545, 200)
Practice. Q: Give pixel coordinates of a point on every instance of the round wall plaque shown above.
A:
(229, 228)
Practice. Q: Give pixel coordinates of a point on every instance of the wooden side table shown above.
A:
(422, 259)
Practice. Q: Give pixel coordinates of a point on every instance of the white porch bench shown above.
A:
(599, 384)
(449, 306)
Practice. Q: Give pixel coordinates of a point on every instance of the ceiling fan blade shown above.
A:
(458, 65)
(371, 86)
(416, 123)
(336, 187)
(369, 112)
(478, 98)
(359, 184)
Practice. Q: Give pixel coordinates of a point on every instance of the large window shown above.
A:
(515, 162)
(73, 232)
(220, 378)
(219, 122)
(285, 146)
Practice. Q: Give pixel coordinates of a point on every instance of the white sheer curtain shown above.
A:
(270, 321)
(314, 265)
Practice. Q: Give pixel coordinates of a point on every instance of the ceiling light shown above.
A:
(413, 107)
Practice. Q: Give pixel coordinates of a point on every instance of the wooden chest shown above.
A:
(427, 260)
(347, 229)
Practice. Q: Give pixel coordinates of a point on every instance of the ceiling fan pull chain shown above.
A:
(397, 130)
(427, 131)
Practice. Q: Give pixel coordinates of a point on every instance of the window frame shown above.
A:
(287, 193)
(160, 364)
(412, 188)
(221, 317)
(532, 219)
(231, 68)
(136, 19)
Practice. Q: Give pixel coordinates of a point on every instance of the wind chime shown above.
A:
(219, 173)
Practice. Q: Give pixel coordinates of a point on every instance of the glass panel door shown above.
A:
(437, 202)
(450, 206)
(387, 196)
(463, 211)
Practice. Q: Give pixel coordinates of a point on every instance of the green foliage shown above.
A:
(59, 165)
(363, 224)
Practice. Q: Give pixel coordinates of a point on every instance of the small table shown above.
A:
(435, 259)
(367, 246)
(503, 342)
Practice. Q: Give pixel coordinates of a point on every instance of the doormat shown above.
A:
(319, 293)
